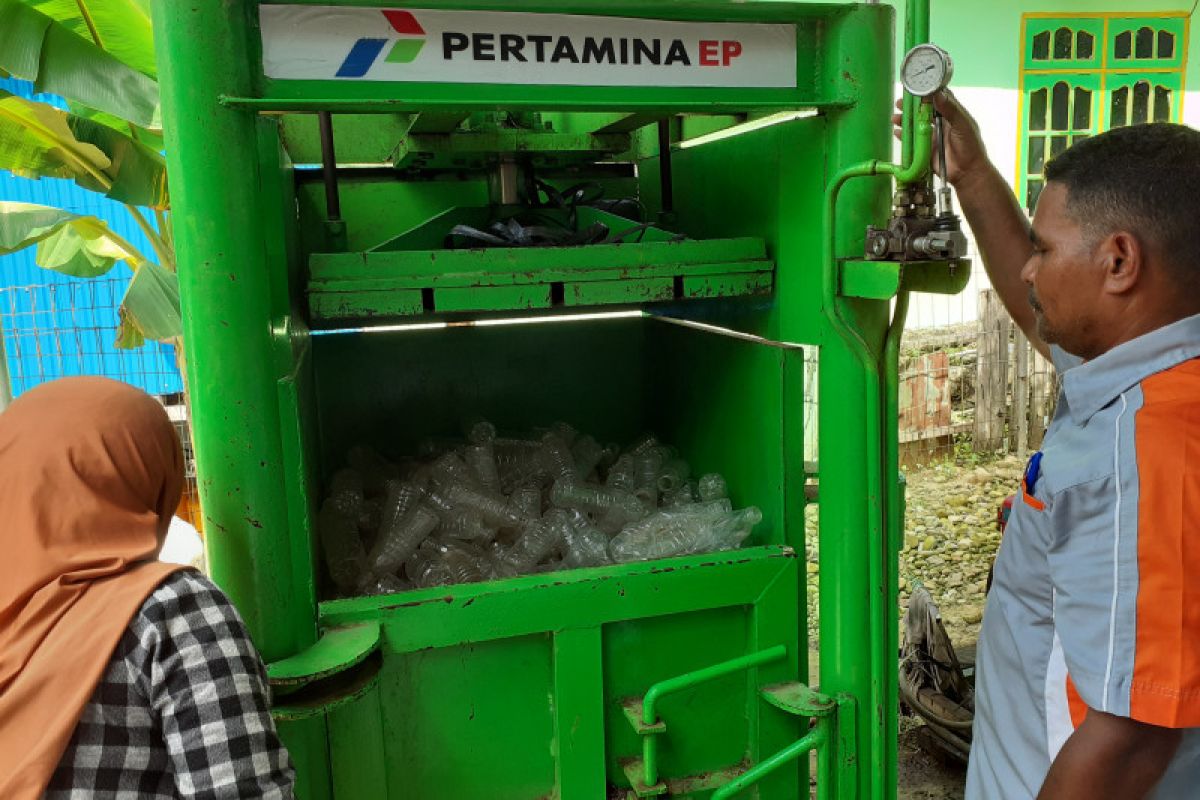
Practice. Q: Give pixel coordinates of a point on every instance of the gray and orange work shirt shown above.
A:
(1096, 597)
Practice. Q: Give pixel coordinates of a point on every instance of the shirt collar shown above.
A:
(1094, 384)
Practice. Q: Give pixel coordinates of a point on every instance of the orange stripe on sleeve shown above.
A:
(1075, 704)
(1166, 675)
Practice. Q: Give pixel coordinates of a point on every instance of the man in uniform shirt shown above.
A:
(1089, 655)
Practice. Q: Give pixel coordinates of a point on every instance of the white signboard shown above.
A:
(385, 44)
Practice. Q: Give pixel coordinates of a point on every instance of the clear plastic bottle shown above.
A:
(518, 462)
(642, 444)
(494, 512)
(622, 474)
(669, 533)
(712, 487)
(586, 545)
(647, 497)
(479, 431)
(673, 474)
(369, 516)
(462, 566)
(386, 584)
(598, 500)
(399, 541)
(464, 524)
(685, 495)
(450, 470)
(564, 431)
(527, 501)
(609, 455)
(587, 453)
(399, 496)
(346, 491)
(345, 556)
(374, 468)
(734, 528)
(556, 456)
(537, 541)
(648, 465)
(482, 461)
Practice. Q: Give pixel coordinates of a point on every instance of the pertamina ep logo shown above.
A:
(514, 48)
(404, 50)
(530, 47)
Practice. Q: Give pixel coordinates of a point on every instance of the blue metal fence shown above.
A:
(56, 326)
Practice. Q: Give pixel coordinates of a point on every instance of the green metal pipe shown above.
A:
(817, 738)
(916, 31)
(229, 278)
(895, 509)
(689, 679)
(877, 496)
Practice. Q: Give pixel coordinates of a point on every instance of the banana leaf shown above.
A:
(150, 309)
(73, 244)
(152, 139)
(38, 140)
(84, 247)
(37, 48)
(120, 27)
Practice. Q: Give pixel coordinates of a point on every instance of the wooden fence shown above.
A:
(983, 380)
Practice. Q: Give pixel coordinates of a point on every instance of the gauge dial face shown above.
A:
(926, 69)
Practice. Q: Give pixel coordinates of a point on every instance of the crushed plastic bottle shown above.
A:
(712, 487)
(386, 584)
(697, 528)
(464, 524)
(494, 512)
(399, 497)
(346, 492)
(526, 501)
(585, 544)
(490, 507)
(345, 556)
(482, 460)
(479, 431)
(674, 473)
(598, 500)
(649, 465)
(450, 470)
(398, 541)
(623, 474)
(587, 454)
(556, 456)
(538, 540)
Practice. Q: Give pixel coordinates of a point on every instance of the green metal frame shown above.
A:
(525, 687)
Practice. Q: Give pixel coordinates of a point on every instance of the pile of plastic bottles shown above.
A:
(491, 507)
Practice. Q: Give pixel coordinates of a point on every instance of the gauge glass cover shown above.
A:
(925, 70)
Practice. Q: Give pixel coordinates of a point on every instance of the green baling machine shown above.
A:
(625, 215)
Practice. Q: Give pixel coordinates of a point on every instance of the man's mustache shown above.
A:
(1033, 301)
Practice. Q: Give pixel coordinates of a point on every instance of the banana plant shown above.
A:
(99, 56)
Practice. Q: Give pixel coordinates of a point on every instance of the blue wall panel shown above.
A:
(55, 325)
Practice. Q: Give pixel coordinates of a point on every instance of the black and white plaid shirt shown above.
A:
(181, 711)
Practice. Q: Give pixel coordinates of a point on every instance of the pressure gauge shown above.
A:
(926, 69)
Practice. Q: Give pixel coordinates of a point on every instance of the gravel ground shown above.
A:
(950, 540)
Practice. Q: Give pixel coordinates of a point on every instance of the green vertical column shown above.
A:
(225, 274)
(853, 610)
(579, 714)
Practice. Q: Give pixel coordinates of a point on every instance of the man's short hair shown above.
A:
(1144, 179)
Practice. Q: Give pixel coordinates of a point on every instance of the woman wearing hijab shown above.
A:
(120, 677)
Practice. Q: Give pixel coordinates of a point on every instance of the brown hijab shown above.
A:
(90, 475)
